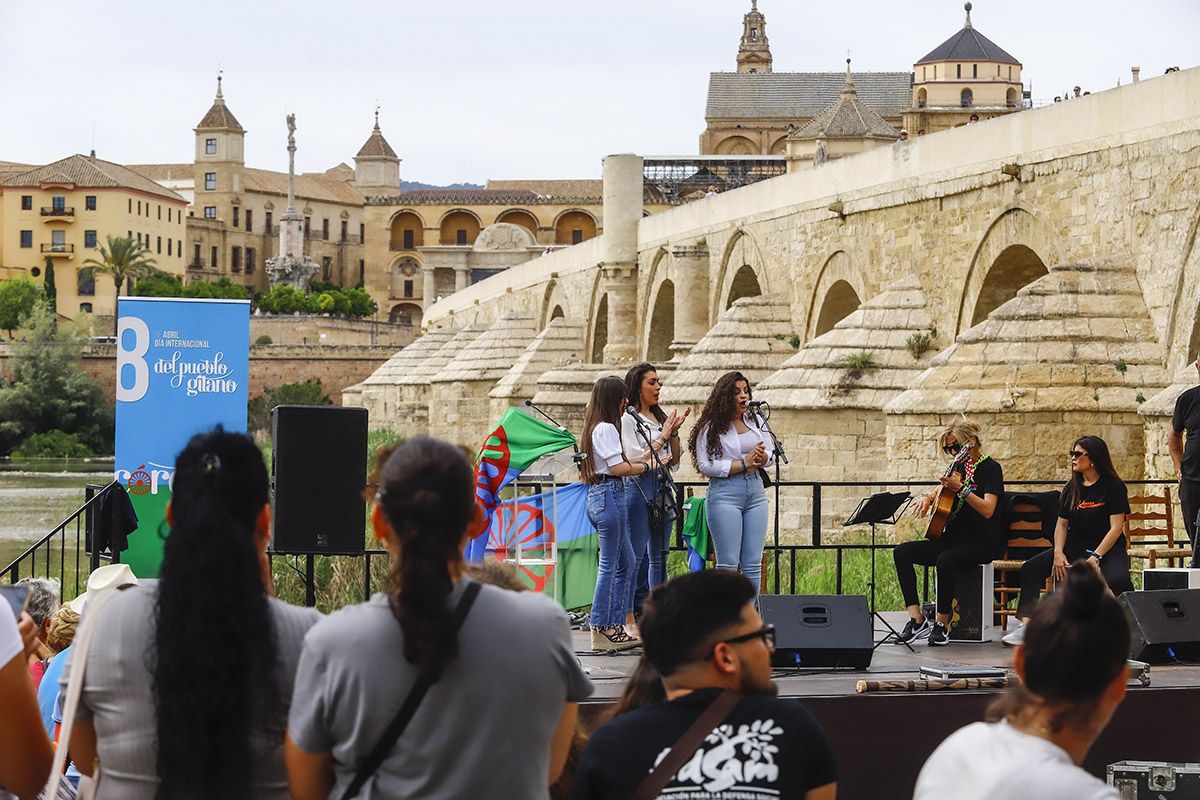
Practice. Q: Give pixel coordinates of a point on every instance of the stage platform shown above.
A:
(882, 739)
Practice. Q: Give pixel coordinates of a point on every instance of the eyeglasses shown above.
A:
(766, 633)
(1076, 454)
(952, 449)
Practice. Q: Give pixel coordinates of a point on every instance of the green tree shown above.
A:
(49, 390)
(124, 259)
(48, 285)
(307, 393)
(18, 296)
(159, 284)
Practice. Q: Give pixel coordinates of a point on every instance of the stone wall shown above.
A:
(307, 329)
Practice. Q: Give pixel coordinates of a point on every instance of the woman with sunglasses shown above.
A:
(1091, 524)
(970, 536)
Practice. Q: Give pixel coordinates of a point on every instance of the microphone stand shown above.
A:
(578, 457)
(780, 455)
(661, 467)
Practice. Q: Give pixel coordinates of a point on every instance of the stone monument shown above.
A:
(291, 267)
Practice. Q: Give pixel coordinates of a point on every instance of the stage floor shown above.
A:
(881, 739)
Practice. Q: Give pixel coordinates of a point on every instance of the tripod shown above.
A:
(881, 508)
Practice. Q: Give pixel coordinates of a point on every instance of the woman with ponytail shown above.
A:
(1073, 674)
(499, 715)
(187, 681)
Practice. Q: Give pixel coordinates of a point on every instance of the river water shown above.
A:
(37, 496)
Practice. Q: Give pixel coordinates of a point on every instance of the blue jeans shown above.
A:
(607, 510)
(736, 508)
(648, 545)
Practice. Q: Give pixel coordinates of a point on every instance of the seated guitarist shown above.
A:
(970, 534)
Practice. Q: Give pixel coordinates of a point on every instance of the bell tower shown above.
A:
(754, 52)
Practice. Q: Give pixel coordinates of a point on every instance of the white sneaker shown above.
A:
(1014, 637)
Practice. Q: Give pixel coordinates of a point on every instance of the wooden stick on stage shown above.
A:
(932, 685)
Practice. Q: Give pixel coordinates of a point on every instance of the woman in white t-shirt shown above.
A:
(25, 752)
(1073, 676)
(729, 447)
(644, 424)
(605, 470)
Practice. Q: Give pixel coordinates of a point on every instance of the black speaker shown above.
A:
(318, 472)
(1165, 624)
(819, 630)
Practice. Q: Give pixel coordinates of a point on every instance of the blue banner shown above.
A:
(182, 367)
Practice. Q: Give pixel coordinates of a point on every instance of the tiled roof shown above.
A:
(552, 188)
(466, 197)
(376, 146)
(342, 172)
(11, 167)
(90, 173)
(309, 186)
(968, 45)
(219, 117)
(796, 95)
(847, 118)
(165, 172)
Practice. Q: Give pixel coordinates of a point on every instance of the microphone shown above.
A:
(529, 402)
(754, 404)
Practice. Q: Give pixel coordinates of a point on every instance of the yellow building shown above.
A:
(62, 211)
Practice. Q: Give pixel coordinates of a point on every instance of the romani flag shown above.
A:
(518, 441)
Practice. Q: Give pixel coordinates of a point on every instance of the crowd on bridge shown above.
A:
(456, 683)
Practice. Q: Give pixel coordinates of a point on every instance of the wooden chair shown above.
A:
(1025, 541)
(1150, 531)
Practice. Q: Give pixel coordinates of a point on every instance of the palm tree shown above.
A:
(124, 259)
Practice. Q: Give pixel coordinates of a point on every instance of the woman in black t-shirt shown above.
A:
(1091, 522)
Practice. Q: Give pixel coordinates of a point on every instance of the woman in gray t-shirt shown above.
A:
(187, 682)
(499, 720)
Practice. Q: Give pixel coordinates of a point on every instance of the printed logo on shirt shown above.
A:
(730, 764)
(1085, 504)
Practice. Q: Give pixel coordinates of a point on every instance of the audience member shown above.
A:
(187, 682)
(25, 752)
(43, 602)
(703, 635)
(59, 637)
(643, 688)
(1072, 677)
(500, 711)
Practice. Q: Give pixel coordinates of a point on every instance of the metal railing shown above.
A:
(66, 549)
(57, 211)
(57, 247)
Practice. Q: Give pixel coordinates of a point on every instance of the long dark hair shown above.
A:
(214, 651)
(633, 389)
(643, 688)
(427, 491)
(1076, 643)
(717, 413)
(608, 395)
(1097, 450)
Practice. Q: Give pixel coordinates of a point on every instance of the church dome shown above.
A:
(968, 45)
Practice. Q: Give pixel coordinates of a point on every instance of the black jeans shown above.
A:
(949, 554)
(1189, 503)
(1114, 567)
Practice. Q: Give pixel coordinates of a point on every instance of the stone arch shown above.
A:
(406, 220)
(659, 263)
(838, 268)
(405, 275)
(553, 299)
(406, 314)
(1015, 267)
(1015, 225)
(922, 97)
(660, 330)
(736, 146)
(1184, 318)
(557, 313)
(519, 216)
(779, 147)
(459, 226)
(574, 226)
(840, 302)
(741, 251)
(744, 284)
(966, 98)
(1012, 97)
(599, 331)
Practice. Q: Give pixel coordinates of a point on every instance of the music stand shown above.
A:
(881, 508)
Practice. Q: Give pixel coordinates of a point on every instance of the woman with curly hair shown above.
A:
(187, 682)
(730, 448)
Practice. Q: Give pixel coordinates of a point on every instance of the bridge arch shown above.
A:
(837, 293)
(741, 273)
(1183, 326)
(660, 328)
(597, 320)
(1018, 247)
(554, 303)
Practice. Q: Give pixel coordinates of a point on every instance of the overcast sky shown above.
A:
(475, 89)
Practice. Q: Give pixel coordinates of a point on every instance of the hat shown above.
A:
(110, 576)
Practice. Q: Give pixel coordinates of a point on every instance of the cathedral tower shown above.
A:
(754, 52)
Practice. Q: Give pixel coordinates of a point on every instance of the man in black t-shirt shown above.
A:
(703, 635)
(1187, 459)
(972, 534)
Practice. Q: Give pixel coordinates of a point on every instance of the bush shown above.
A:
(263, 340)
(306, 393)
(17, 299)
(160, 284)
(163, 284)
(322, 298)
(52, 444)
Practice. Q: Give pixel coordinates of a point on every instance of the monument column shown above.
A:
(690, 269)
(618, 254)
(429, 288)
(462, 278)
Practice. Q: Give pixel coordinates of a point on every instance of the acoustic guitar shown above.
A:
(944, 505)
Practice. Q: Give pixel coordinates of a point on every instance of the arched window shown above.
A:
(967, 98)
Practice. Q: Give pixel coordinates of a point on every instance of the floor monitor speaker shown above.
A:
(318, 473)
(819, 630)
(1165, 624)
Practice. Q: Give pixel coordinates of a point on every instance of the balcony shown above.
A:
(195, 265)
(58, 250)
(58, 213)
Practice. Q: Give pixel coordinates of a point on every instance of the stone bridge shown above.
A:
(1038, 272)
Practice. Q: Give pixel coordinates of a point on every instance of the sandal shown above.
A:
(613, 638)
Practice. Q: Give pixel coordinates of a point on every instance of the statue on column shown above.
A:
(291, 266)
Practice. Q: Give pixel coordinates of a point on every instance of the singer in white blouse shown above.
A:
(730, 448)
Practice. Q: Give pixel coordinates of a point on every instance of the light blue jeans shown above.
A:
(608, 512)
(648, 546)
(736, 508)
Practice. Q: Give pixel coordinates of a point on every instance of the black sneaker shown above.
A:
(939, 636)
(913, 630)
